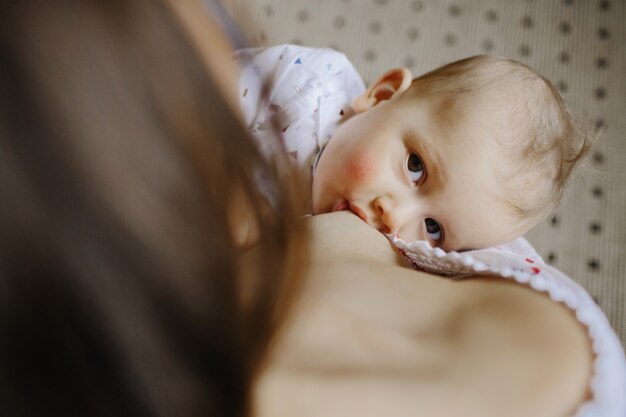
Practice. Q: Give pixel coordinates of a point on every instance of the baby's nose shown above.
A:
(388, 214)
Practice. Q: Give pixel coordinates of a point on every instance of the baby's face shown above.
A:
(413, 167)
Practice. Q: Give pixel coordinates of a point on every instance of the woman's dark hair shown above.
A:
(120, 292)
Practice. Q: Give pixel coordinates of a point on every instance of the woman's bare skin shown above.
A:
(370, 337)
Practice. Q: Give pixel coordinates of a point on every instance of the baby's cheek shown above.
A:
(360, 168)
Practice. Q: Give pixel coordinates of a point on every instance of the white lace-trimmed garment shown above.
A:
(306, 92)
(519, 262)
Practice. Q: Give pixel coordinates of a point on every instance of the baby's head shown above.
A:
(470, 155)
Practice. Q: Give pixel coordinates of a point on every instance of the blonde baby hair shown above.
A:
(541, 142)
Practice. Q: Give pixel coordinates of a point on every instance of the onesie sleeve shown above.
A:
(303, 92)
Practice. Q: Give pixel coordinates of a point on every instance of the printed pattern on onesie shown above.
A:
(303, 92)
(518, 261)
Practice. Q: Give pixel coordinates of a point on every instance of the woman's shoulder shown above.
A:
(495, 347)
(523, 347)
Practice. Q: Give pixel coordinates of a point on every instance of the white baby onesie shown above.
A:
(303, 92)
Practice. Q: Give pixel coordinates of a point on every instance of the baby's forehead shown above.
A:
(484, 127)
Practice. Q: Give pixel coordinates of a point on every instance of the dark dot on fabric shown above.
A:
(602, 63)
(604, 5)
(263, 37)
(412, 34)
(450, 39)
(268, 10)
(603, 33)
(554, 221)
(296, 41)
(564, 57)
(375, 27)
(370, 55)
(417, 6)
(600, 123)
(339, 22)
(524, 50)
(454, 10)
(491, 16)
(600, 93)
(303, 16)
(527, 22)
(565, 28)
(568, 2)
(551, 257)
(598, 158)
(409, 61)
(562, 86)
(381, 2)
(487, 45)
(596, 192)
(595, 228)
(593, 264)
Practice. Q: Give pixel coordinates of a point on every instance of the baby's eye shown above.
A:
(433, 230)
(414, 167)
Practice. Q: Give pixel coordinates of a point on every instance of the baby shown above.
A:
(468, 156)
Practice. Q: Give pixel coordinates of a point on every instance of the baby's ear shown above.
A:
(390, 85)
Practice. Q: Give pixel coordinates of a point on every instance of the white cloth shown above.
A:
(302, 92)
(608, 383)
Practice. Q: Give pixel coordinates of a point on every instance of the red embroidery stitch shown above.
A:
(535, 270)
(530, 260)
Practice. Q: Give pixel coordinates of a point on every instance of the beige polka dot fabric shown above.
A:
(580, 45)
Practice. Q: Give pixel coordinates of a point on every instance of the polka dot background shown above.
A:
(580, 45)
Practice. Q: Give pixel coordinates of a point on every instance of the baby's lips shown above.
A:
(353, 208)
(340, 206)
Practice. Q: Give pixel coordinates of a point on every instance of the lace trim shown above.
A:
(608, 383)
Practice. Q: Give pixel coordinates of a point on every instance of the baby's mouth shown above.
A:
(346, 205)
(340, 206)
